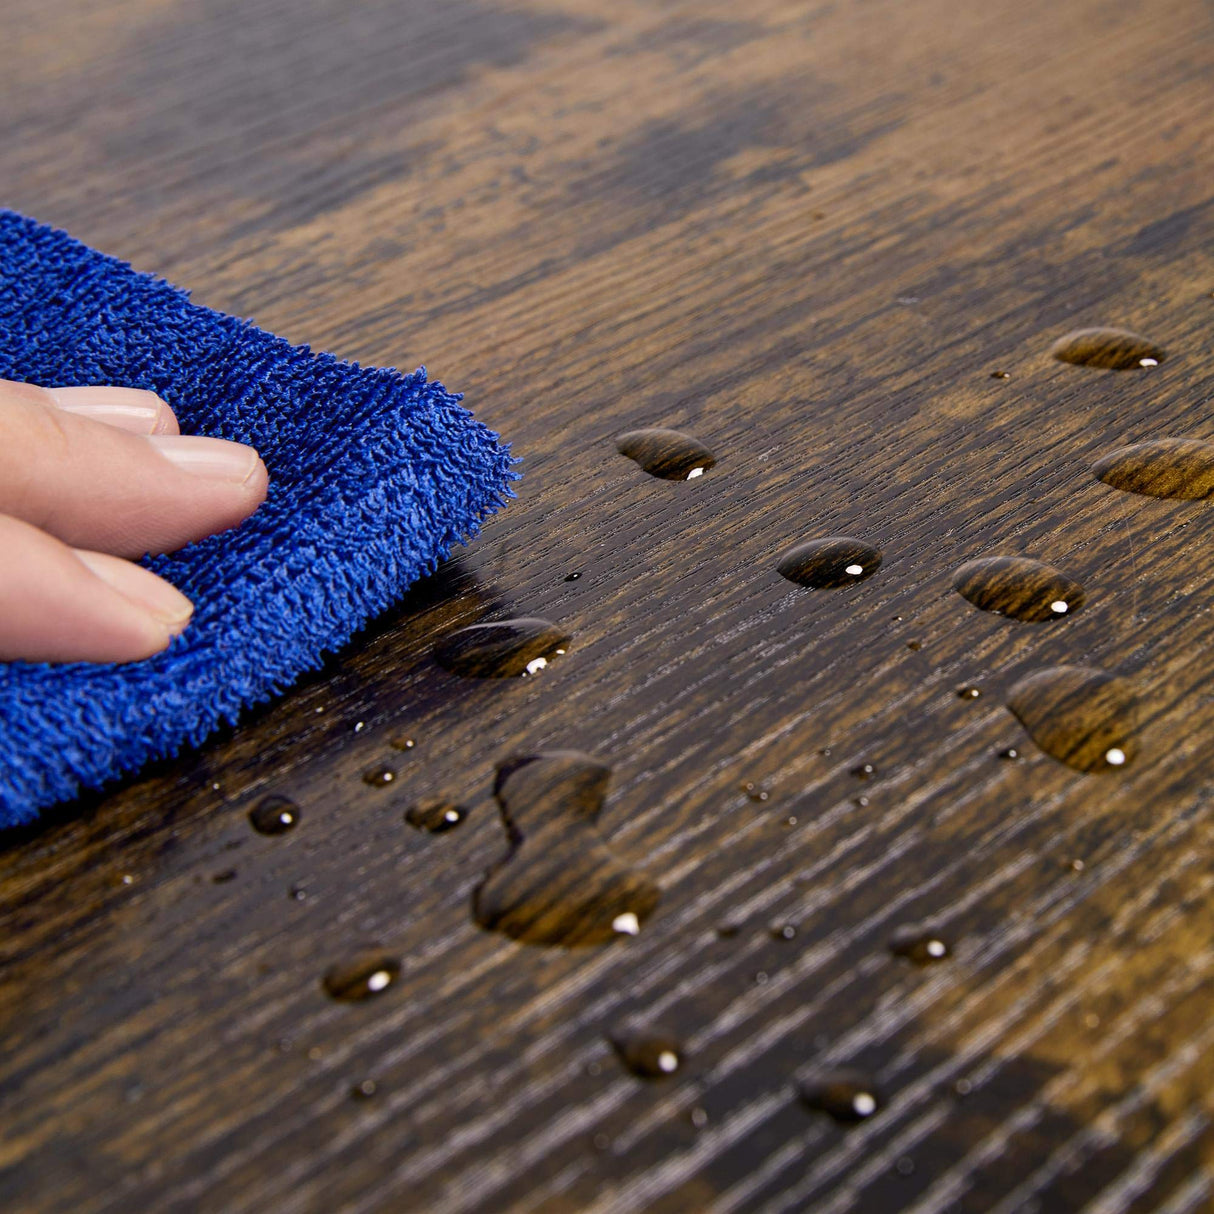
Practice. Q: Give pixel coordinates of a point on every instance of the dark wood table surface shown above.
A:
(806, 234)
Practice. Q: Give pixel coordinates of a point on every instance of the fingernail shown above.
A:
(215, 458)
(128, 409)
(133, 582)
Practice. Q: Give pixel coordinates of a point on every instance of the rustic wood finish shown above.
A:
(808, 235)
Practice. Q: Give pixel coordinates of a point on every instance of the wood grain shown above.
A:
(806, 234)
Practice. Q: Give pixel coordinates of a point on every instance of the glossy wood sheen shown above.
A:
(807, 235)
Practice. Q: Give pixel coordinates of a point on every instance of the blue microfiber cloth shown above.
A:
(374, 476)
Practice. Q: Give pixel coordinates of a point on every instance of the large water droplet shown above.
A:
(1111, 349)
(1080, 716)
(559, 884)
(848, 1096)
(825, 564)
(648, 1052)
(435, 816)
(502, 650)
(274, 815)
(669, 454)
(1165, 467)
(1019, 588)
(362, 975)
(920, 943)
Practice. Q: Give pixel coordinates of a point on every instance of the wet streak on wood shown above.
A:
(809, 235)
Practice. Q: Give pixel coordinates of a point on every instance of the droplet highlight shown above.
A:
(1019, 588)
(1109, 349)
(274, 815)
(1078, 715)
(668, 454)
(365, 974)
(847, 1096)
(649, 1053)
(1179, 468)
(559, 884)
(507, 649)
(435, 816)
(829, 563)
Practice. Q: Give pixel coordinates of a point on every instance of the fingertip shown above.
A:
(135, 410)
(166, 605)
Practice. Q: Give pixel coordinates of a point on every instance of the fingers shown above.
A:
(127, 408)
(62, 605)
(101, 487)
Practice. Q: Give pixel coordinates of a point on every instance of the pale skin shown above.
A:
(91, 479)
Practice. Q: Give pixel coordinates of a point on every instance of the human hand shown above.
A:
(89, 476)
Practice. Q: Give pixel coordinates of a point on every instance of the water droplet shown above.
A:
(379, 777)
(864, 771)
(1076, 866)
(826, 564)
(919, 942)
(502, 650)
(127, 879)
(668, 454)
(699, 1118)
(435, 816)
(861, 802)
(754, 792)
(1019, 588)
(782, 931)
(915, 645)
(573, 577)
(1079, 716)
(402, 743)
(360, 726)
(1001, 375)
(963, 1087)
(848, 1096)
(297, 893)
(274, 815)
(602, 1142)
(1180, 468)
(364, 1090)
(905, 1166)
(559, 884)
(967, 692)
(1009, 752)
(1110, 349)
(761, 978)
(649, 1052)
(366, 973)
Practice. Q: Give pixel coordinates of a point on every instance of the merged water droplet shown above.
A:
(274, 815)
(1078, 715)
(559, 884)
(920, 943)
(826, 564)
(847, 1096)
(1181, 468)
(436, 816)
(1019, 588)
(503, 650)
(366, 973)
(668, 454)
(648, 1052)
(1110, 349)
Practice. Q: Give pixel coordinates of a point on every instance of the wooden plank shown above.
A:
(806, 236)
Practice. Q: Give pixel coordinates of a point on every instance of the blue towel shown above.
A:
(374, 475)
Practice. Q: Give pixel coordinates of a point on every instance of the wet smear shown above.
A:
(362, 976)
(1181, 468)
(274, 815)
(437, 817)
(379, 777)
(666, 453)
(848, 1096)
(1019, 588)
(920, 943)
(507, 649)
(649, 1053)
(1110, 349)
(826, 564)
(1080, 716)
(559, 884)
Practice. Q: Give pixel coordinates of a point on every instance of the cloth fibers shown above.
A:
(374, 475)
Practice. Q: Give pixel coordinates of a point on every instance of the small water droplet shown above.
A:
(274, 815)
(790, 820)
(364, 1090)
(864, 771)
(905, 1166)
(728, 929)
(963, 1087)
(402, 743)
(1091, 1021)
(379, 777)
(761, 978)
(366, 973)
(222, 878)
(1009, 752)
(573, 577)
(1080, 716)
(699, 1118)
(360, 726)
(1076, 866)
(127, 879)
(502, 650)
(860, 802)
(559, 884)
(915, 645)
(919, 942)
(827, 564)
(1001, 375)
(1109, 349)
(297, 893)
(602, 1142)
(783, 931)
(436, 816)
(1177, 468)
(847, 1096)
(650, 1053)
(968, 692)
(1019, 588)
(754, 792)
(668, 454)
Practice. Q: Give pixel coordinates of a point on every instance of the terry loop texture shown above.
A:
(374, 476)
